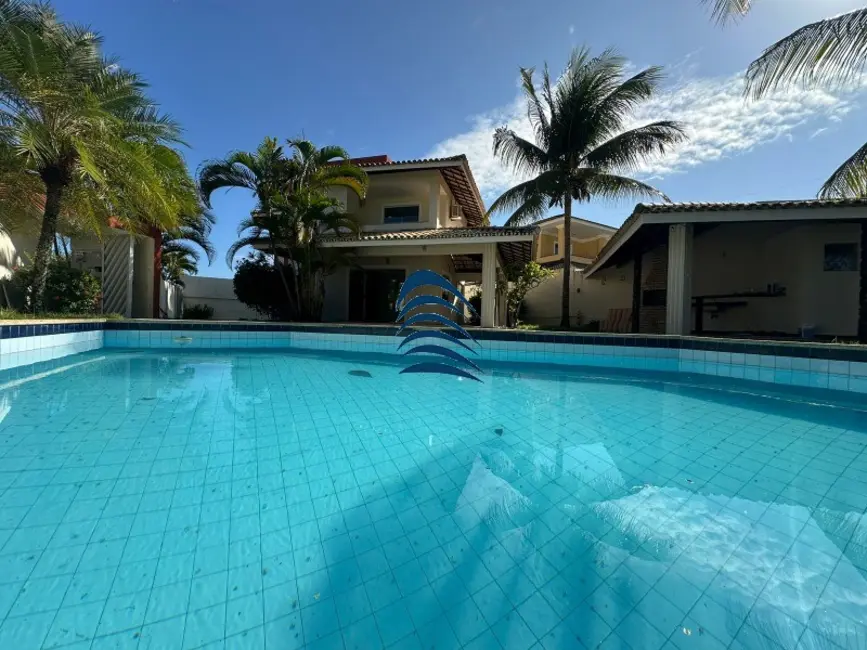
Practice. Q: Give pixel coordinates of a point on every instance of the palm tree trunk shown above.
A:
(47, 237)
(279, 266)
(565, 319)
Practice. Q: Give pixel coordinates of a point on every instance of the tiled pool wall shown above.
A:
(23, 345)
(823, 366)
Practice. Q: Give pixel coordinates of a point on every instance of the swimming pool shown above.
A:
(245, 499)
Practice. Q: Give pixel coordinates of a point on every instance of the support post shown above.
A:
(636, 293)
(489, 283)
(678, 318)
(862, 293)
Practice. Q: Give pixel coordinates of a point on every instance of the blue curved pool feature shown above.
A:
(247, 499)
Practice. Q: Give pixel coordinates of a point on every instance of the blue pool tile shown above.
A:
(286, 632)
(173, 513)
(25, 631)
(243, 614)
(394, 623)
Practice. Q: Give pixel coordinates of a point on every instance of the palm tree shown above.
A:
(181, 249)
(83, 126)
(581, 147)
(288, 192)
(828, 52)
(291, 231)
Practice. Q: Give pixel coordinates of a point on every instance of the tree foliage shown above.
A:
(80, 141)
(292, 213)
(582, 149)
(829, 52)
(67, 290)
(182, 247)
(522, 279)
(257, 285)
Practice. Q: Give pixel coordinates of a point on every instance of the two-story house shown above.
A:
(419, 214)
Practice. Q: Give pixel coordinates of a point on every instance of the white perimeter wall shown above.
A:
(219, 294)
(12, 251)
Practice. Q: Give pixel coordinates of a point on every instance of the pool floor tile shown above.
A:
(256, 500)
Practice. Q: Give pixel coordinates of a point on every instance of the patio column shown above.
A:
(489, 283)
(678, 317)
(636, 292)
(862, 292)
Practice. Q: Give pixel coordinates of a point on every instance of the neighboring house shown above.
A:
(772, 268)
(588, 239)
(590, 301)
(419, 214)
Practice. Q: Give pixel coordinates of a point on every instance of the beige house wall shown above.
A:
(591, 298)
(748, 257)
(426, 188)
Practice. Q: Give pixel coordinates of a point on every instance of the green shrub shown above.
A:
(67, 290)
(198, 312)
(257, 284)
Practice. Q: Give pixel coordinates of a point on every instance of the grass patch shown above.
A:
(14, 314)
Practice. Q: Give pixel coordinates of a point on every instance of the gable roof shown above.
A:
(658, 213)
(455, 171)
(596, 224)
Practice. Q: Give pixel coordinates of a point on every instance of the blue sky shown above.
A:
(414, 79)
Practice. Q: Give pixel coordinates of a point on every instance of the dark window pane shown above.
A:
(401, 214)
(841, 257)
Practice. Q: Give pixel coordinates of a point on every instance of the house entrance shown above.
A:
(373, 294)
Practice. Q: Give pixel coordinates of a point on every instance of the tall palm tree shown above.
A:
(84, 127)
(581, 148)
(827, 52)
(181, 248)
(274, 179)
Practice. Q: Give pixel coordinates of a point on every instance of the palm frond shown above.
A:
(518, 154)
(582, 88)
(614, 188)
(629, 150)
(618, 105)
(527, 201)
(830, 51)
(537, 112)
(849, 180)
(329, 153)
(724, 11)
(224, 174)
(241, 242)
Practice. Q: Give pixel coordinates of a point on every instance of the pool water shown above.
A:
(271, 500)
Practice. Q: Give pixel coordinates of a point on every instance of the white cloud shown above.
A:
(818, 132)
(571, 29)
(720, 123)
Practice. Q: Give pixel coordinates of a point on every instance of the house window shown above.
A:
(556, 248)
(841, 257)
(400, 214)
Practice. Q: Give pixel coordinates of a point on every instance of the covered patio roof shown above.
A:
(646, 227)
(515, 245)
